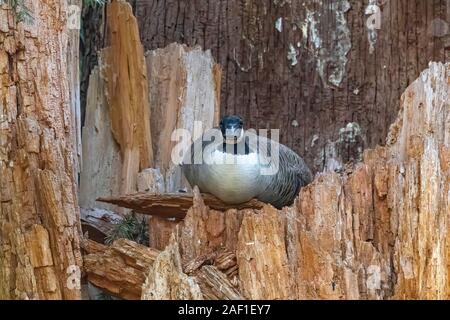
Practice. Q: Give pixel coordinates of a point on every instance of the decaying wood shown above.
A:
(170, 205)
(379, 230)
(91, 246)
(215, 285)
(261, 254)
(195, 264)
(184, 93)
(124, 70)
(216, 274)
(117, 142)
(205, 230)
(102, 162)
(160, 229)
(226, 262)
(119, 269)
(166, 280)
(39, 217)
(122, 268)
(183, 86)
(183, 89)
(151, 181)
(73, 73)
(98, 223)
(223, 259)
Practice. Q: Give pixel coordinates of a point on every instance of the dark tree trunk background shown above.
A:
(328, 109)
(91, 41)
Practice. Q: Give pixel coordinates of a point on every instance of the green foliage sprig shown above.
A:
(130, 228)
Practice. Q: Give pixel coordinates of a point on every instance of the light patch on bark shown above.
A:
(281, 3)
(332, 155)
(333, 52)
(373, 278)
(292, 55)
(279, 24)
(373, 23)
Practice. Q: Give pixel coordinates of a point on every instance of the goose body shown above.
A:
(232, 183)
(236, 175)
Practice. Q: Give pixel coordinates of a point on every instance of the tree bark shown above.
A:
(308, 68)
(39, 215)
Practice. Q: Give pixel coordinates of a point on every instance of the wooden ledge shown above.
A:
(172, 205)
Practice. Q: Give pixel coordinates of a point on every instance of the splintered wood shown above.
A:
(134, 100)
(125, 74)
(115, 146)
(120, 269)
(166, 280)
(171, 205)
(261, 254)
(184, 91)
(184, 88)
(98, 223)
(117, 142)
(40, 254)
(380, 230)
(102, 163)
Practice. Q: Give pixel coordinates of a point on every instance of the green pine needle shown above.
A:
(129, 228)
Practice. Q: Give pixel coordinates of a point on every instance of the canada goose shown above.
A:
(237, 165)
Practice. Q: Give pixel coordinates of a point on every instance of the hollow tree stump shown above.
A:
(379, 230)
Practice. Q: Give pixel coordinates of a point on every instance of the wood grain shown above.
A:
(40, 227)
(125, 74)
(170, 205)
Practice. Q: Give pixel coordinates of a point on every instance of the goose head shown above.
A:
(232, 128)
